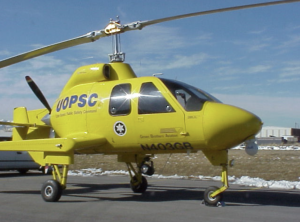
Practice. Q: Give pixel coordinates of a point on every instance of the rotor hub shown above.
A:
(114, 29)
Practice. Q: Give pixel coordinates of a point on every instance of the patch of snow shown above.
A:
(292, 147)
(95, 172)
(258, 182)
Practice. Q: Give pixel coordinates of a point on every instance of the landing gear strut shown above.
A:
(138, 183)
(52, 189)
(214, 195)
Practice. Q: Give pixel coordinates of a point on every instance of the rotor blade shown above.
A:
(116, 28)
(89, 37)
(156, 21)
(37, 92)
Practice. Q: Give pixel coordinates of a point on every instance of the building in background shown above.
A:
(278, 135)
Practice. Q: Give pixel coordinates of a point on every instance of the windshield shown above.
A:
(189, 97)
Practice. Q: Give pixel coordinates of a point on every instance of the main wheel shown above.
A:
(213, 201)
(51, 191)
(139, 188)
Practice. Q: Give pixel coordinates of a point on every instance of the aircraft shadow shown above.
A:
(8, 174)
(263, 197)
(164, 194)
(98, 192)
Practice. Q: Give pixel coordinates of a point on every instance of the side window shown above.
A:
(152, 101)
(120, 102)
(189, 98)
(187, 101)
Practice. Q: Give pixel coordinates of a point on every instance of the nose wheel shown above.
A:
(209, 200)
(214, 195)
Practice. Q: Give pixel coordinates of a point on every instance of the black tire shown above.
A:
(212, 201)
(51, 191)
(23, 171)
(139, 188)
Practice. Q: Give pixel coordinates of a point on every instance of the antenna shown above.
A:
(114, 28)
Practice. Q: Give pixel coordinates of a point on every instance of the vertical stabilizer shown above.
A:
(20, 116)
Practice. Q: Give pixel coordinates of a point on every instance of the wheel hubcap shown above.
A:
(209, 196)
(48, 191)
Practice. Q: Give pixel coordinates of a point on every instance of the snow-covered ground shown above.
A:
(290, 147)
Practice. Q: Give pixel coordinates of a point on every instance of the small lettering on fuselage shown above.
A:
(81, 101)
(167, 146)
(153, 136)
(63, 114)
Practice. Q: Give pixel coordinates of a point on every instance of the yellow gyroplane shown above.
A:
(107, 109)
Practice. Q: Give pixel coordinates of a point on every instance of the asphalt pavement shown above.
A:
(109, 198)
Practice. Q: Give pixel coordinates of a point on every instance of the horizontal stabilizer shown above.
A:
(53, 150)
(23, 124)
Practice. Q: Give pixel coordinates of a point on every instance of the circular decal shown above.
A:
(120, 128)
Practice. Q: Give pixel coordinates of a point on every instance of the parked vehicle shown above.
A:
(20, 161)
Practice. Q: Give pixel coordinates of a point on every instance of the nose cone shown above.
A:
(226, 126)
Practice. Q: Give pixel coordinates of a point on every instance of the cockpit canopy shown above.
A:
(189, 97)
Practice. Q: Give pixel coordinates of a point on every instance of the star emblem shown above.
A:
(120, 128)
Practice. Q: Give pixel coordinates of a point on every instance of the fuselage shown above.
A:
(148, 115)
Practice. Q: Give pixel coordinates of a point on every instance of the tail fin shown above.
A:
(20, 116)
(36, 129)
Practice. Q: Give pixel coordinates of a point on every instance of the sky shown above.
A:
(247, 58)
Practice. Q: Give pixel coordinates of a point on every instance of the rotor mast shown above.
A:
(114, 28)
